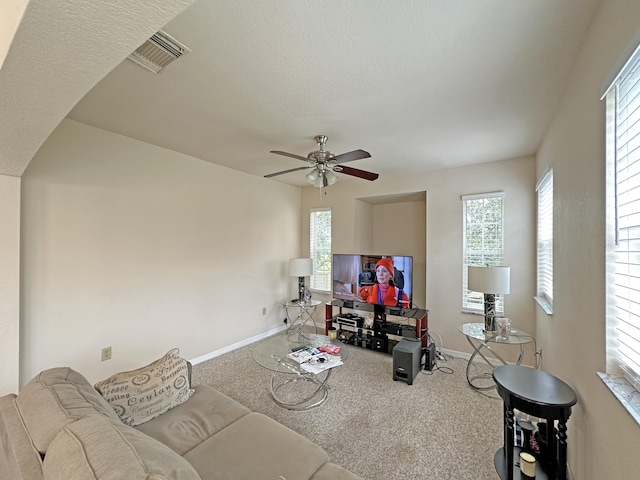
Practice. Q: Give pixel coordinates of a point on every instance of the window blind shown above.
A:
(545, 242)
(483, 243)
(320, 249)
(623, 106)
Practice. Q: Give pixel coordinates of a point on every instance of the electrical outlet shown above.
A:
(105, 354)
(264, 310)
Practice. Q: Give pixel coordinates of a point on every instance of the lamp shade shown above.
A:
(300, 267)
(489, 279)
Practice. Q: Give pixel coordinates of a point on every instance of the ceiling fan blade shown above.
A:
(286, 171)
(287, 154)
(350, 156)
(358, 173)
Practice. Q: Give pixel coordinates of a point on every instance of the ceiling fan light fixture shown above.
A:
(312, 176)
(321, 178)
(319, 183)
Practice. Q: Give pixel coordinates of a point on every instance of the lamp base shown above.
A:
(490, 325)
(301, 289)
(490, 314)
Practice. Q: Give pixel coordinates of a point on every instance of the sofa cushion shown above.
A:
(139, 395)
(100, 448)
(331, 471)
(256, 446)
(55, 398)
(206, 413)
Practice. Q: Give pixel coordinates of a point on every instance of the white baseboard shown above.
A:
(250, 340)
(235, 346)
(455, 353)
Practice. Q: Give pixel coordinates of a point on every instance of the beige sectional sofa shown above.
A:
(59, 427)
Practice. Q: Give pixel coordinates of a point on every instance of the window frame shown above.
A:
(473, 302)
(320, 281)
(622, 220)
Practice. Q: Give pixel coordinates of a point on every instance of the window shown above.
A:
(544, 295)
(483, 243)
(623, 222)
(320, 249)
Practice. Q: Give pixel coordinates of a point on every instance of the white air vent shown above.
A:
(158, 52)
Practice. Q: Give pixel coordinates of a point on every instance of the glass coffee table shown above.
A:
(293, 387)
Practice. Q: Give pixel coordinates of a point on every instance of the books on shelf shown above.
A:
(317, 359)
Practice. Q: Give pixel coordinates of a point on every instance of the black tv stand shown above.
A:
(383, 334)
(379, 313)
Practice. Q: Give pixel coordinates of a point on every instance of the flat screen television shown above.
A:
(378, 279)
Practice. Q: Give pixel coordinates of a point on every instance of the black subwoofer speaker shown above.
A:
(406, 360)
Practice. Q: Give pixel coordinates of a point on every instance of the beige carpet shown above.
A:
(437, 428)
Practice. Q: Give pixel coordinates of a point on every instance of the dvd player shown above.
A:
(351, 320)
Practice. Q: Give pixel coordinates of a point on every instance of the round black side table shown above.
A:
(544, 396)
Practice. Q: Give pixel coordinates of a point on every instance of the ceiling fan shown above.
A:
(324, 164)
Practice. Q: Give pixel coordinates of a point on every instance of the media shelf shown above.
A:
(383, 333)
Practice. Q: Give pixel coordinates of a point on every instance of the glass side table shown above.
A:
(481, 345)
(292, 387)
(300, 316)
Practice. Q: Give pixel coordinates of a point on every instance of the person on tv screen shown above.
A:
(384, 290)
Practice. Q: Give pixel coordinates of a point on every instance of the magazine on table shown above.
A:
(317, 359)
(321, 362)
(304, 354)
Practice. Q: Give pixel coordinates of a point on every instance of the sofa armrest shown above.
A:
(19, 458)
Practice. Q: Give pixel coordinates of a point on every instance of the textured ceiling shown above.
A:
(420, 84)
(59, 51)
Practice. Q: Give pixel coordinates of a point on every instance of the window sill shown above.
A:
(320, 292)
(628, 396)
(479, 313)
(545, 305)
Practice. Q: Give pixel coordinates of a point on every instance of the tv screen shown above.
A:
(378, 279)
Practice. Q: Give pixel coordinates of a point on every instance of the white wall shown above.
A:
(9, 282)
(132, 246)
(443, 224)
(603, 438)
(12, 11)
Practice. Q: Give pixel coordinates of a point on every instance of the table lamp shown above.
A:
(490, 281)
(300, 267)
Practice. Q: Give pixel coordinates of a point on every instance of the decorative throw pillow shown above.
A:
(139, 395)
